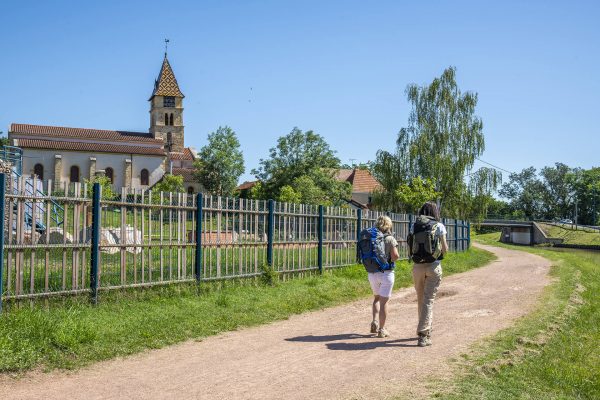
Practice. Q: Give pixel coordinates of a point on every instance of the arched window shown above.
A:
(110, 174)
(166, 119)
(38, 170)
(74, 173)
(169, 141)
(144, 177)
(171, 120)
(190, 190)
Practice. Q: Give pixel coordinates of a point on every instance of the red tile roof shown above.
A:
(246, 185)
(82, 133)
(187, 173)
(95, 147)
(187, 155)
(361, 180)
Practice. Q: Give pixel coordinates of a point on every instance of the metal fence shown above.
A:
(70, 240)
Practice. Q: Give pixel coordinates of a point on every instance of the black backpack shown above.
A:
(423, 244)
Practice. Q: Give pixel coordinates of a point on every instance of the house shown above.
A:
(363, 185)
(129, 159)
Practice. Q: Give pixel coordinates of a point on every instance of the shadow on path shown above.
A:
(353, 346)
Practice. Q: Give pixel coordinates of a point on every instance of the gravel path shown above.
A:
(325, 354)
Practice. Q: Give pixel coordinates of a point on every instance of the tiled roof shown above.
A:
(361, 180)
(82, 133)
(247, 185)
(166, 84)
(186, 155)
(84, 146)
(187, 173)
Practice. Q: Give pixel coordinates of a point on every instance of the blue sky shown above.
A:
(339, 68)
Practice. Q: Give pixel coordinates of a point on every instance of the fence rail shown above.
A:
(140, 238)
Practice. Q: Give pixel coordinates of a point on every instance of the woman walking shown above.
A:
(427, 242)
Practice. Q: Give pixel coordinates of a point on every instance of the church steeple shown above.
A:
(166, 109)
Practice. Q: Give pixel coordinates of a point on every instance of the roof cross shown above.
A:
(166, 46)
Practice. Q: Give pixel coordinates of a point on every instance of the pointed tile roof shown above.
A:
(166, 84)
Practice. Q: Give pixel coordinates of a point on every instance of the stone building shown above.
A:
(129, 159)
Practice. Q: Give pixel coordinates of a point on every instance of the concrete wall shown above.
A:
(154, 165)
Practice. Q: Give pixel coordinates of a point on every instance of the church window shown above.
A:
(190, 190)
(144, 177)
(169, 101)
(74, 173)
(171, 120)
(110, 173)
(166, 119)
(38, 170)
(169, 141)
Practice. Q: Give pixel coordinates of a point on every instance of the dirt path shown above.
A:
(319, 355)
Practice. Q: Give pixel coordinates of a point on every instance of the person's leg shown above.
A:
(419, 282)
(375, 284)
(432, 283)
(385, 292)
(375, 307)
(383, 301)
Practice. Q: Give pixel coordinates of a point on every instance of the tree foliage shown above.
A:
(301, 168)
(443, 139)
(169, 183)
(3, 139)
(220, 163)
(106, 185)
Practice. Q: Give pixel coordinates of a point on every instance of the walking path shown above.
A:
(325, 354)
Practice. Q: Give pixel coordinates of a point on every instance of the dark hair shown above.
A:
(430, 209)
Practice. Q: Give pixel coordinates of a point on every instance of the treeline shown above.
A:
(555, 193)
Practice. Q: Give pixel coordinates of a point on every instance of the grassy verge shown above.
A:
(553, 353)
(572, 236)
(71, 333)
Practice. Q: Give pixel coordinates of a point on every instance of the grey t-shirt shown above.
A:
(390, 243)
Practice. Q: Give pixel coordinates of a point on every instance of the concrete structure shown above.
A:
(519, 232)
(130, 159)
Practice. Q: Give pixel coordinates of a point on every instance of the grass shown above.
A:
(69, 333)
(554, 352)
(572, 236)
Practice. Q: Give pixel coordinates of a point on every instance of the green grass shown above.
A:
(70, 333)
(554, 352)
(572, 236)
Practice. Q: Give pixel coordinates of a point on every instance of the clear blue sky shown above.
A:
(339, 68)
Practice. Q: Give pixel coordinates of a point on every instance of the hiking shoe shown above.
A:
(424, 340)
(382, 333)
(374, 327)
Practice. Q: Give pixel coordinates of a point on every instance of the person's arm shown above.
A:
(444, 245)
(394, 254)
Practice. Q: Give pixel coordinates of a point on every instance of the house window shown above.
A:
(38, 170)
(109, 174)
(171, 120)
(144, 177)
(169, 101)
(166, 119)
(190, 190)
(74, 173)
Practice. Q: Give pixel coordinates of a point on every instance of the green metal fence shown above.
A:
(141, 238)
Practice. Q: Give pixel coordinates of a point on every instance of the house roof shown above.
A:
(361, 180)
(82, 133)
(187, 173)
(166, 84)
(246, 185)
(186, 155)
(87, 146)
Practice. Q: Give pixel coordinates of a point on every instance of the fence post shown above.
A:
(468, 235)
(198, 264)
(270, 229)
(2, 222)
(456, 241)
(358, 229)
(320, 251)
(95, 251)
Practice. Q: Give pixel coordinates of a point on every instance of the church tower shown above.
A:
(166, 109)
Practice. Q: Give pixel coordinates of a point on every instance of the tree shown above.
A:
(586, 188)
(525, 193)
(304, 162)
(443, 139)
(3, 139)
(558, 190)
(169, 183)
(107, 191)
(220, 163)
(415, 194)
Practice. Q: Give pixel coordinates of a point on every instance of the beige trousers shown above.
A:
(427, 279)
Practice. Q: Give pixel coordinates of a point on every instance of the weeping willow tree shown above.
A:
(443, 139)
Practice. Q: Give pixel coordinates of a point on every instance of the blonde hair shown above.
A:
(384, 224)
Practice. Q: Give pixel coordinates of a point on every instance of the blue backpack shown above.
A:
(371, 248)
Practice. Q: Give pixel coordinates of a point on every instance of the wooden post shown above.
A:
(95, 252)
(198, 263)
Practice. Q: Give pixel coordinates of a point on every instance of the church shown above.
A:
(135, 160)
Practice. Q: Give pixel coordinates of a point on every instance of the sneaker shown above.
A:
(374, 327)
(382, 333)
(424, 340)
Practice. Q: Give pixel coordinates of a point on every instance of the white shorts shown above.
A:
(382, 283)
